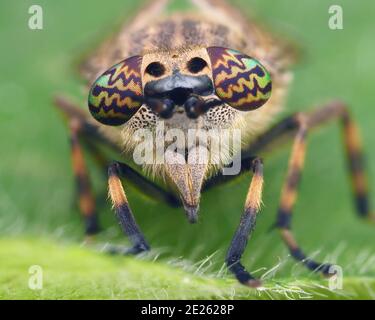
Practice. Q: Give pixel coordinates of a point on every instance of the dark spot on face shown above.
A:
(155, 69)
(196, 64)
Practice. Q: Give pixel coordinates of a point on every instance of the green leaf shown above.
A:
(73, 272)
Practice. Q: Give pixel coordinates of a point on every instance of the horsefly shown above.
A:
(185, 98)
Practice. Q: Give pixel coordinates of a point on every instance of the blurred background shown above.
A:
(36, 181)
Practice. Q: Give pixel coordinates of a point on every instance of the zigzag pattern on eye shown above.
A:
(239, 79)
(114, 101)
(117, 92)
(118, 102)
(245, 101)
(126, 74)
(236, 72)
(104, 97)
(223, 81)
(226, 63)
(124, 80)
(247, 83)
(240, 85)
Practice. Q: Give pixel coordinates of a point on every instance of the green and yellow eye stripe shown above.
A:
(241, 81)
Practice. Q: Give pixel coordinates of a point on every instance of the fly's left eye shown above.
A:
(117, 94)
(240, 81)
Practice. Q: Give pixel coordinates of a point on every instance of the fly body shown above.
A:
(175, 59)
(203, 76)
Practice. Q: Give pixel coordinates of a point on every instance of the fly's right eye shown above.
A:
(117, 94)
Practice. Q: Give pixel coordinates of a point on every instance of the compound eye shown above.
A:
(117, 94)
(240, 81)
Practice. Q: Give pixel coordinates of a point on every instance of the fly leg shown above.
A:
(246, 227)
(85, 136)
(353, 150)
(86, 200)
(123, 211)
(297, 127)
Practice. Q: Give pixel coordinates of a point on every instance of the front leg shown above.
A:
(124, 213)
(246, 227)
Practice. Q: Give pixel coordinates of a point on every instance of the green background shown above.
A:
(39, 223)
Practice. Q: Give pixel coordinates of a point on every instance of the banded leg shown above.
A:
(288, 199)
(246, 227)
(289, 127)
(298, 126)
(85, 136)
(123, 212)
(304, 123)
(86, 199)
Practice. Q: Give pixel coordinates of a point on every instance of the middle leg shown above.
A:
(289, 196)
(298, 126)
